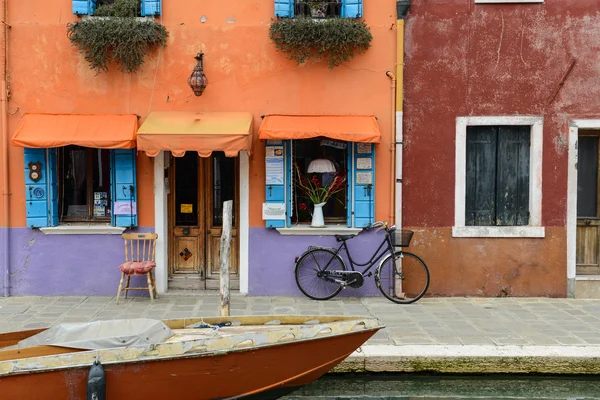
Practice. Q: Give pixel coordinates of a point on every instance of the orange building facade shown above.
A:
(118, 152)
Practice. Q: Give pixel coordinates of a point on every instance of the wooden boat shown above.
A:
(251, 357)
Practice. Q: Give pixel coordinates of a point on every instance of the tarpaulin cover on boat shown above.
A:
(98, 131)
(98, 335)
(348, 128)
(203, 132)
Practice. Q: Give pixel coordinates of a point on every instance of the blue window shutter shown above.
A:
(349, 184)
(36, 193)
(150, 8)
(364, 184)
(284, 8)
(289, 181)
(52, 187)
(84, 7)
(352, 9)
(275, 193)
(123, 188)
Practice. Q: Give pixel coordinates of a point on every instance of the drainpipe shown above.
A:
(5, 185)
(402, 7)
(391, 217)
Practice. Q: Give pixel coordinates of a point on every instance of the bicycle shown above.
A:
(402, 277)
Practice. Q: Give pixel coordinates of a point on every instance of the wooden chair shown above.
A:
(140, 251)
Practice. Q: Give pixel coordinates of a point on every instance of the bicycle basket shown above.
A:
(402, 238)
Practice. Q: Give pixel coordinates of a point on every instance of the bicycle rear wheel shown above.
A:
(403, 278)
(310, 277)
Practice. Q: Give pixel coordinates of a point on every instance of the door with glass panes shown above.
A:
(198, 188)
(588, 210)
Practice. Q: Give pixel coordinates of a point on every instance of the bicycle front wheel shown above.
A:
(403, 278)
(312, 277)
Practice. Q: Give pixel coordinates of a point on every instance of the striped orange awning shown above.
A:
(203, 132)
(349, 128)
(100, 131)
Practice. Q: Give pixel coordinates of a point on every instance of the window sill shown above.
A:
(92, 17)
(83, 230)
(330, 230)
(499, 231)
(587, 278)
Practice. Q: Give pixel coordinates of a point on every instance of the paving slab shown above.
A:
(459, 335)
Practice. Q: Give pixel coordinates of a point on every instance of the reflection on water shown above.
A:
(450, 387)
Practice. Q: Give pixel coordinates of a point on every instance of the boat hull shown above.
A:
(260, 372)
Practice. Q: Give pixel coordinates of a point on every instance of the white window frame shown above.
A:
(535, 228)
(507, 1)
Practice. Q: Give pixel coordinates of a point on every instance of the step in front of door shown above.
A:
(186, 282)
(587, 287)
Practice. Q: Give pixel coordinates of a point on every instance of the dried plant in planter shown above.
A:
(115, 34)
(337, 39)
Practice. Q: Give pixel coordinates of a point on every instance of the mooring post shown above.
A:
(225, 256)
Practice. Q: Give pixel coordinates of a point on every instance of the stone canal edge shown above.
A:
(473, 359)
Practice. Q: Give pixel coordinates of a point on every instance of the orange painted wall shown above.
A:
(245, 73)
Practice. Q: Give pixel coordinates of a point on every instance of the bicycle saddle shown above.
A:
(341, 238)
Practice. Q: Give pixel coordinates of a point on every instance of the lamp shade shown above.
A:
(321, 166)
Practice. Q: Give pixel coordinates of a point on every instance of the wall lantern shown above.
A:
(402, 7)
(197, 80)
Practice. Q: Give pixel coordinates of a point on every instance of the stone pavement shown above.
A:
(436, 334)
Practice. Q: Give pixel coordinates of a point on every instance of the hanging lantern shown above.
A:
(197, 80)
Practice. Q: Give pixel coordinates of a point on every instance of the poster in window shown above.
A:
(364, 178)
(364, 163)
(364, 148)
(125, 208)
(274, 165)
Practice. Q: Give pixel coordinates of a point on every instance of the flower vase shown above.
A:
(317, 218)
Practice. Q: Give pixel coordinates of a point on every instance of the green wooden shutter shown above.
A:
(352, 8)
(364, 184)
(123, 188)
(275, 191)
(36, 192)
(84, 7)
(512, 198)
(480, 201)
(284, 8)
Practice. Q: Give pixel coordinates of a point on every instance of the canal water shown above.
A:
(450, 387)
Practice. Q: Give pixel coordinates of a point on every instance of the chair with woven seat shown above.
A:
(140, 250)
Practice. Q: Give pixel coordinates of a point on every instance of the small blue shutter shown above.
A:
(53, 187)
(150, 8)
(289, 181)
(123, 188)
(364, 184)
(352, 9)
(36, 193)
(84, 7)
(284, 8)
(349, 183)
(275, 192)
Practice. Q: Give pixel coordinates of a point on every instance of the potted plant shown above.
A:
(336, 39)
(317, 193)
(115, 34)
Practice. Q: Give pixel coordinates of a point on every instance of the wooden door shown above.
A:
(187, 220)
(198, 187)
(222, 175)
(588, 213)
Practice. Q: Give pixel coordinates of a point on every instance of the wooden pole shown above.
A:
(225, 256)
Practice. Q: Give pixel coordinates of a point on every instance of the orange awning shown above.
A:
(100, 131)
(349, 128)
(181, 131)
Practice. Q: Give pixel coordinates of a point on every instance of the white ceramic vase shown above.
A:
(317, 218)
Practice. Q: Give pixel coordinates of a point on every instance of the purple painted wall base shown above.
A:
(74, 265)
(271, 269)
